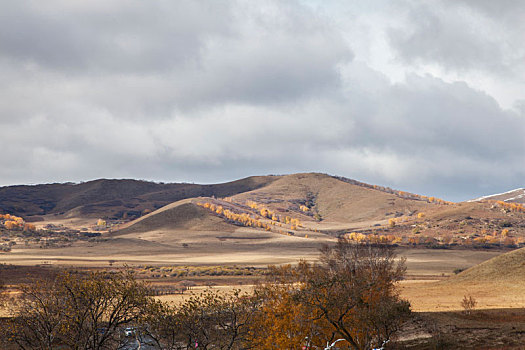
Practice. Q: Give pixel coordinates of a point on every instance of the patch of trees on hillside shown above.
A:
(515, 207)
(12, 222)
(254, 215)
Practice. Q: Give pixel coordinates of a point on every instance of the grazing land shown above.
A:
(184, 238)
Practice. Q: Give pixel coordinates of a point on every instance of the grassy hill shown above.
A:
(181, 215)
(314, 202)
(514, 196)
(111, 198)
(509, 267)
(317, 201)
(332, 199)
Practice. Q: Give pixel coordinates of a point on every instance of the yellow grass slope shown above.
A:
(496, 283)
(181, 215)
(334, 200)
(505, 268)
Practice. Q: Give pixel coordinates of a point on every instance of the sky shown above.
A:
(422, 96)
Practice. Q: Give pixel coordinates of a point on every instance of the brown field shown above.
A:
(184, 234)
(432, 288)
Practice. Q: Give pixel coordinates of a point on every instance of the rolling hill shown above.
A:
(301, 205)
(296, 204)
(332, 199)
(513, 196)
(111, 198)
(508, 267)
(181, 215)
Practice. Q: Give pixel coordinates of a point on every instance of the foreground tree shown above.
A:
(211, 320)
(350, 294)
(353, 289)
(282, 320)
(80, 312)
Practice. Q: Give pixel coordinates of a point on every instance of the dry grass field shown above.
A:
(187, 234)
(495, 283)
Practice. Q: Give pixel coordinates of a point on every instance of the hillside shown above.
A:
(182, 215)
(508, 267)
(111, 198)
(494, 283)
(330, 199)
(298, 204)
(513, 196)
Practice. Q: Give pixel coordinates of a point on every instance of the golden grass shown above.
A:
(495, 283)
(445, 296)
(338, 202)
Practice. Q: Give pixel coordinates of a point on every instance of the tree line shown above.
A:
(262, 217)
(349, 295)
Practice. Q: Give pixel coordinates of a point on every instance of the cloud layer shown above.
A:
(425, 97)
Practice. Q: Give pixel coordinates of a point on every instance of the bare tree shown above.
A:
(468, 304)
(80, 312)
(212, 320)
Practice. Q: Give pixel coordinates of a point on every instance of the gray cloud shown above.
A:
(115, 36)
(463, 35)
(194, 91)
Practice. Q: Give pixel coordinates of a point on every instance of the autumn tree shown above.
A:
(76, 311)
(353, 289)
(211, 320)
(350, 294)
(282, 320)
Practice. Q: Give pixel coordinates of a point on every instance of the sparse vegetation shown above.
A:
(71, 310)
(350, 294)
(192, 271)
(468, 304)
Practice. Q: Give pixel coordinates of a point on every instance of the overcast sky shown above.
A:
(422, 96)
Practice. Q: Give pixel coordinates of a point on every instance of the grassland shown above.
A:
(184, 244)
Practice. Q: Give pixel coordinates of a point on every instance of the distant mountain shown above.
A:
(112, 198)
(305, 204)
(513, 196)
(318, 201)
(116, 199)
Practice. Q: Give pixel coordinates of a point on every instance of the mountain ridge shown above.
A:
(513, 196)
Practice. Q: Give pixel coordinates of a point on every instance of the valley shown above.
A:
(224, 236)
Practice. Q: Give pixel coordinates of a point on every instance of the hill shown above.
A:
(513, 196)
(298, 204)
(495, 283)
(182, 215)
(332, 199)
(111, 198)
(508, 267)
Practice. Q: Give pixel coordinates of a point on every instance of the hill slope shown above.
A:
(331, 199)
(182, 215)
(111, 198)
(514, 196)
(509, 267)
